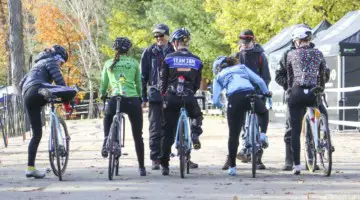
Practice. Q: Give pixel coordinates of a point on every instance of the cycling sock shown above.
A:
(298, 167)
(31, 168)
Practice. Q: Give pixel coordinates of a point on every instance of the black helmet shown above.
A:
(180, 34)
(122, 44)
(61, 51)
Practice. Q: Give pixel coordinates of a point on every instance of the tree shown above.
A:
(16, 43)
(5, 73)
(267, 18)
(84, 15)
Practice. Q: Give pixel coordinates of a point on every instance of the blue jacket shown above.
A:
(234, 79)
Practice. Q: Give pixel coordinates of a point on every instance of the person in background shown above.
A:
(151, 62)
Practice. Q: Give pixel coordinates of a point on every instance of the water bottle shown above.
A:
(180, 85)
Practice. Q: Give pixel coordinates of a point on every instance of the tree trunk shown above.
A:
(6, 42)
(16, 43)
(91, 99)
(203, 84)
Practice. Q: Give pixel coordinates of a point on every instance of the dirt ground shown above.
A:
(86, 176)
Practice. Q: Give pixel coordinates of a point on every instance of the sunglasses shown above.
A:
(158, 36)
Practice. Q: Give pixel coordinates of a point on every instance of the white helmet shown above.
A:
(301, 33)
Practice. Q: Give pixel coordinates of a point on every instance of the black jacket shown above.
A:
(281, 73)
(45, 70)
(255, 59)
(151, 61)
(181, 63)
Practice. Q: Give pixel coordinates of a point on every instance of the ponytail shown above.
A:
(116, 59)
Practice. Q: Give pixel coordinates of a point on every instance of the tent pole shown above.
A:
(343, 86)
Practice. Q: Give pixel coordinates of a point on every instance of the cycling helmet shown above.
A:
(180, 34)
(59, 50)
(122, 44)
(301, 33)
(217, 64)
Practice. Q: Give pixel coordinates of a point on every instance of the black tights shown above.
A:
(298, 101)
(238, 105)
(33, 104)
(132, 107)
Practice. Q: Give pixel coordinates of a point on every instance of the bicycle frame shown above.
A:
(251, 115)
(184, 118)
(313, 115)
(54, 117)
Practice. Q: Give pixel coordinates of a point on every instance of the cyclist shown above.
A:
(184, 65)
(281, 79)
(305, 67)
(252, 56)
(237, 79)
(45, 71)
(123, 75)
(151, 62)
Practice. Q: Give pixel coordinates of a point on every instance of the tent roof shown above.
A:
(323, 25)
(280, 40)
(346, 30)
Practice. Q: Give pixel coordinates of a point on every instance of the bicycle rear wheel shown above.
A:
(253, 145)
(4, 134)
(309, 150)
(112, 149)
(325, 154)
(182, 144)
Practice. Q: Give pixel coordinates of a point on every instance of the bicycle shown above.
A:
(317, 137)
(4, 133)
(252, 132)
(59, 139)
(183, 141)
(116, 139)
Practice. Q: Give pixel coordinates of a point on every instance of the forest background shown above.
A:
(87, 28)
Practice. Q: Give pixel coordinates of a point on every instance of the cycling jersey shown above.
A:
(124, 80)
(181, 63)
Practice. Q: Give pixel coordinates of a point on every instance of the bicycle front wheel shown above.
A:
(62, 151)
(253, 145)
(325, 147)
(182, 145)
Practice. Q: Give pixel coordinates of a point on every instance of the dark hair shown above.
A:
(121, 46)
(228, 62)
(116, 59)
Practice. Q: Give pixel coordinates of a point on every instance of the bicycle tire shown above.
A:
(112, 160)
(57, 154)
(325, 143)
(120, 139)
(181, 136)
(66, 157)
(4, 134)
(253, 146)
(309, 150)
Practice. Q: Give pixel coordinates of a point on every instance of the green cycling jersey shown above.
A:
(124, 79)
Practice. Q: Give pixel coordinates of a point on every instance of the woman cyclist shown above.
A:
(305, 67)
(237, 79)
(123, 75)
(45, 71)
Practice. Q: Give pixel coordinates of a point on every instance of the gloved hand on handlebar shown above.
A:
(103, 97)
(269, 94)
(67, 107)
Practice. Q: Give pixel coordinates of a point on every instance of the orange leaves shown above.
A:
(53, 27)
